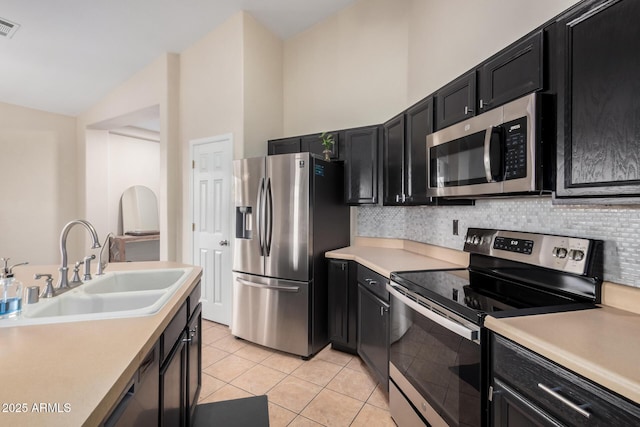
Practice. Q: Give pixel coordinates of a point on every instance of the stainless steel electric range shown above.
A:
(436, 357)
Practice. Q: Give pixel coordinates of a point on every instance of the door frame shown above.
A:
(228, 138)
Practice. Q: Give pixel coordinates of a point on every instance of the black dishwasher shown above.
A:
(138, 406)
(373, 323)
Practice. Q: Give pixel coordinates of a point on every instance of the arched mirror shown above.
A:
(139, 211)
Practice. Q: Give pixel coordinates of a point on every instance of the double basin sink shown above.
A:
(114, 295)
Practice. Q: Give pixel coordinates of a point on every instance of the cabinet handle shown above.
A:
(187, 339)
(467, 110)
(564, 400)
(383, 310)
(483, 104)
(397, 198)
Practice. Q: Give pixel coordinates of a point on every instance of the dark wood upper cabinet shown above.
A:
(419, 124)
(598, 153)
(283, 145)
(361, 165)
(313, 144)
(393, 164)
(405, 155)
(456, 101)
(512, 73)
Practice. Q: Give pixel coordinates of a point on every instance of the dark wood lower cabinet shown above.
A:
(530, 390)
(343, 305)
(172, 387)
(194, 362)
(165, 389)
(373, 323)
(181, 377)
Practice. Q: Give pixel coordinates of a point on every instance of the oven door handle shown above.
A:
(455, 327)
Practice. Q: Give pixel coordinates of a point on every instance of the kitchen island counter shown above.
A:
(72, 374)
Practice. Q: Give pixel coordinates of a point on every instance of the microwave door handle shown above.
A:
(487, 154)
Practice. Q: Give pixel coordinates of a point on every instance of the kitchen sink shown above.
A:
(130, 281)
(82, 303)
(114, 295)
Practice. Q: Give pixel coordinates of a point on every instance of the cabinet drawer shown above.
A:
(373, 281)
(172, 332)
(194, 299)
(557, 391)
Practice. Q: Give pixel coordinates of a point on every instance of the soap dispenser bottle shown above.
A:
(10, 291)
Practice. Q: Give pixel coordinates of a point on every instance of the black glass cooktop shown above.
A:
(473, 294)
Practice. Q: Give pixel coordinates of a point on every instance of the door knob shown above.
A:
(224, 243)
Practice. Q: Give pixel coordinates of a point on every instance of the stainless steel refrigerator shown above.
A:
(289, 211)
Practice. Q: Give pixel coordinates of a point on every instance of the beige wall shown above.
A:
(449, 37)
(370, 61)
(38, 176)
(155, 86)
(349, 70)
(263, 87)
(230, 83)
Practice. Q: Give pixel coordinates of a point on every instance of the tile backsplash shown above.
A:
(617, 226)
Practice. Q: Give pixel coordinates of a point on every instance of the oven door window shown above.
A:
(443, 366)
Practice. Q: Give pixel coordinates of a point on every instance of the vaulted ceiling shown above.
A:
(68, 54)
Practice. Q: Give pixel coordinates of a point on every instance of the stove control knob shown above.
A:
(559, 252)
(476, 240)
(467, 300)
(576, 255)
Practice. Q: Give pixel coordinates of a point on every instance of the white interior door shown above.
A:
(212, 179)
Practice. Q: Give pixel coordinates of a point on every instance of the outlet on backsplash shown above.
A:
(455, 227)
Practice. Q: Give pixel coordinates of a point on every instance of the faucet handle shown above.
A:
(87, 267)
(48, 291)
(76, 275)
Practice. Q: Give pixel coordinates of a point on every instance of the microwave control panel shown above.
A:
(515, 149)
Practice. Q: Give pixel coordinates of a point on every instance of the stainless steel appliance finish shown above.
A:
(289, 210)
(273, 312)
(435, 361)
(495, 153)
(436, 354)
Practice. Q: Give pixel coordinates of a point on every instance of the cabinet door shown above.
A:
(419, 125)
(194, 362)
(373, 334)
(313, 144)
(342, 306)
(599, 103)
(393, 161)
(513, 73)
(361, 165)
(284, 146)
(456, 101)
(172, 390)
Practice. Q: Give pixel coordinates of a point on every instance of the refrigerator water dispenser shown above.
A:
(243, 222)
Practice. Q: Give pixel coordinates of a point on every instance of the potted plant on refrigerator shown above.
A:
(327, 143)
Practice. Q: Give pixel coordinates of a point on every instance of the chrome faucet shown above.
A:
(103, 265)
(63, 281)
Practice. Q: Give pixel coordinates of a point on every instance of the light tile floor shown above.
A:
(331, 389)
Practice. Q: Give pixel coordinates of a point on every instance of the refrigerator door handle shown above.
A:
(259, 215)
(269, 218)
(272, 287)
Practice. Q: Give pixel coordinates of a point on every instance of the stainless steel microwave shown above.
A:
(499, 152)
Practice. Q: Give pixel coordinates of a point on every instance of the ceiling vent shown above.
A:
(8, 28)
